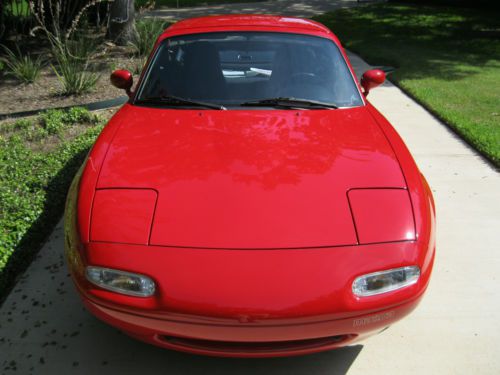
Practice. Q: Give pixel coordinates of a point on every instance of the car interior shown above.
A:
(232, 69)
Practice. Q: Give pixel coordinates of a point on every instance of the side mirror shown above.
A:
(371, 79)
(122, 79)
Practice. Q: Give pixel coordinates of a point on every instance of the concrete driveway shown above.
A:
(299, 8)
(45, 330)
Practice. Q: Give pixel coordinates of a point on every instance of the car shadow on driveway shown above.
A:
(45, 330)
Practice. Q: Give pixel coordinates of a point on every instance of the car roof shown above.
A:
(221, 22)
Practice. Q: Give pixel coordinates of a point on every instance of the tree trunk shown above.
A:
(121, 27)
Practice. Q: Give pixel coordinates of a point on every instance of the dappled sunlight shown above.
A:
(285, 7)
(441, 41)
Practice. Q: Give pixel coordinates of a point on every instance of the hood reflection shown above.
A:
(266, 148)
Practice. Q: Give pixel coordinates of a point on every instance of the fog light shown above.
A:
(385, 281)
(121, 281)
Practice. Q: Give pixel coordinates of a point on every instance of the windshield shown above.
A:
(233, 68)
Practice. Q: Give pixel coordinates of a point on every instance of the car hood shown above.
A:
(249, 179)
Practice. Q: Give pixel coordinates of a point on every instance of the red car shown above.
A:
(248, 200)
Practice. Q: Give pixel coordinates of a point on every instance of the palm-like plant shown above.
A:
(148, 31)
(22, 66)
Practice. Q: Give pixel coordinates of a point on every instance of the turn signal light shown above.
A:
(385, 281)
(122, 282)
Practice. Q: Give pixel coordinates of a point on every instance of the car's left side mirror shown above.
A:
(371, 79)
(122, 79)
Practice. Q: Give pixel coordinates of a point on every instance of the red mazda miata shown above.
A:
(248, 200)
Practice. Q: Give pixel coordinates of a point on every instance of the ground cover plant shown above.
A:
(38, 159)
(446, 58)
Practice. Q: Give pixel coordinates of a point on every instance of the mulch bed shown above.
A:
(45, 92)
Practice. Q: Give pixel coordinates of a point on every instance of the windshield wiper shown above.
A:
(290, 103)
(178, 101)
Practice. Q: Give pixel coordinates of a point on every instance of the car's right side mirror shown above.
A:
(371, 79)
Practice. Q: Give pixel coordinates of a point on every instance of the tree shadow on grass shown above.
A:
(39, 231)
(448, 43)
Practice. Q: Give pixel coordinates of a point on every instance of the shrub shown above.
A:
(23, 67)
(79, 114)
(148, 31)
(72, 55)
(73, 73)
(82, 48)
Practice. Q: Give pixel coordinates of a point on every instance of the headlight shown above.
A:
(385, 281)
(120, 281)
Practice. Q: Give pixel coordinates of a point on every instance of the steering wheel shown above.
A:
(305, 84)
(309, 76)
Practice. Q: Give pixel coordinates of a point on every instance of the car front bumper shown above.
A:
(251, 303)
(272, 339)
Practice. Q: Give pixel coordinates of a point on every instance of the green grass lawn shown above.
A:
(17, 8)
(447, 58)
(38, 159)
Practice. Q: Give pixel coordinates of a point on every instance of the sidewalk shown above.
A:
(455, 329)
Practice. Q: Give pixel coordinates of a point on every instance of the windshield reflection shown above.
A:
(231, 68)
